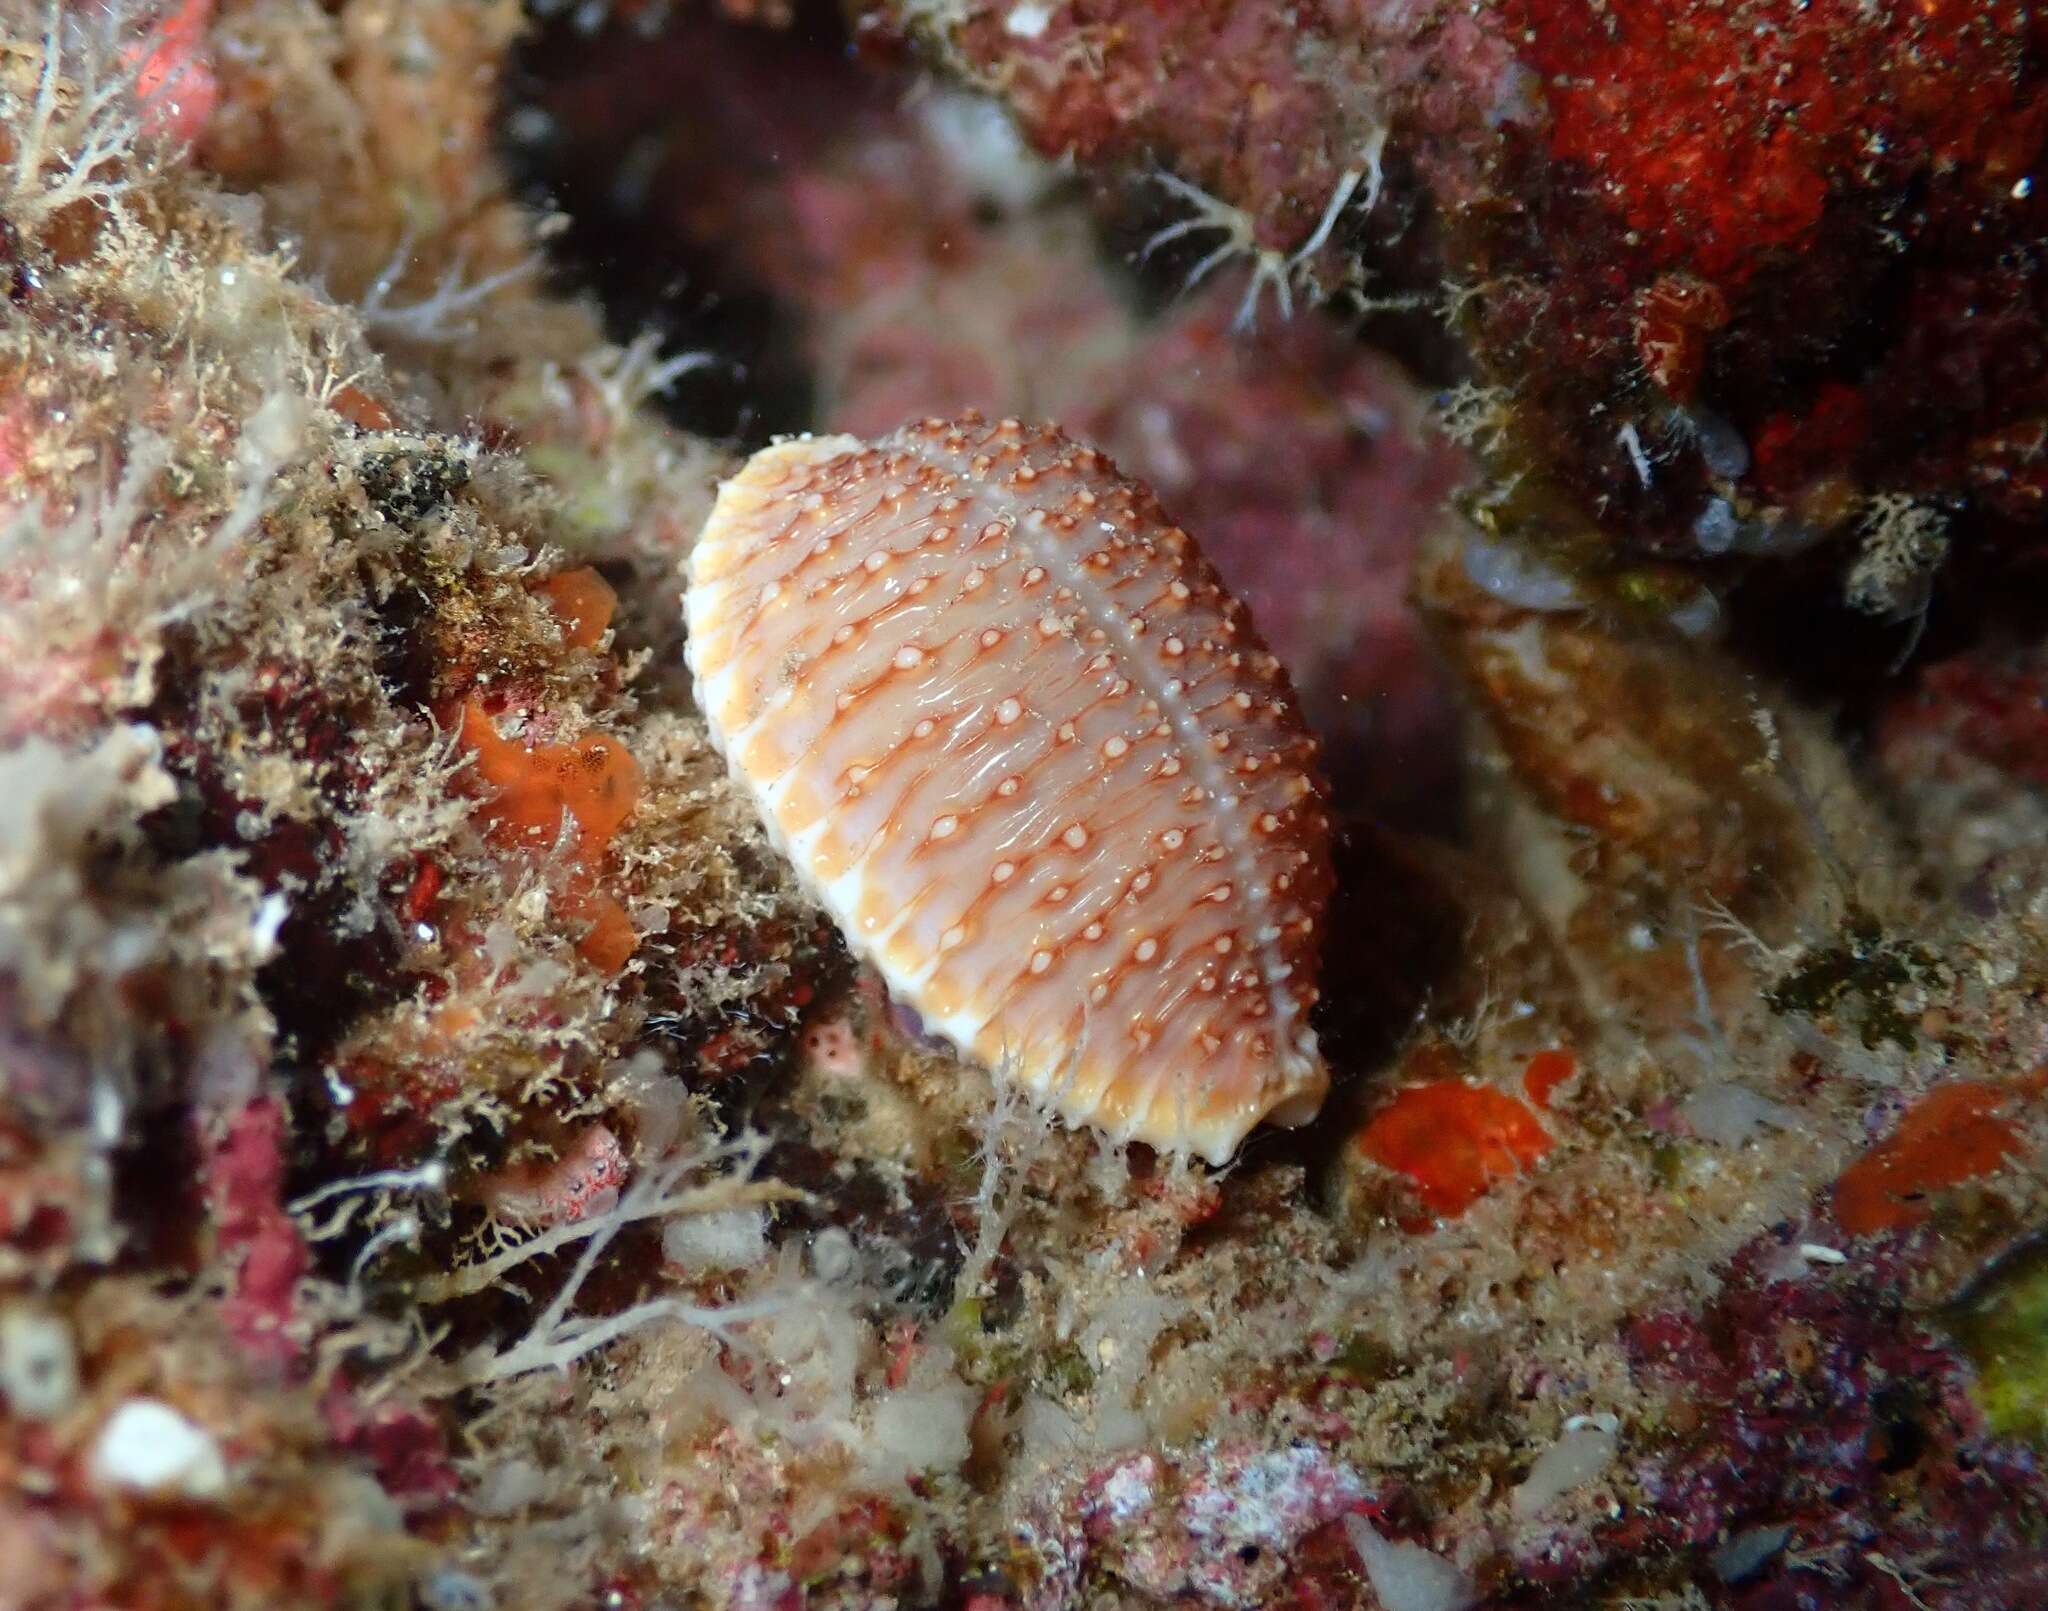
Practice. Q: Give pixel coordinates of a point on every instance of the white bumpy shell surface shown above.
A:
(1021, 743)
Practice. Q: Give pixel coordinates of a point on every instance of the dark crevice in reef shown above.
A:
(900, 1218)
(1403, 941)
(325, 974)
(1790, 622)
(655, 149)
(641, 164)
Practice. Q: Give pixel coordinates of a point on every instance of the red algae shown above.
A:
(594, 781)
(1454, 1139)
(1956, 1133)
(1546, 1072)
(175, 79)
(422, 890)
(1796, 449)
(1992, 707)
(361, 410)
(1717, 131)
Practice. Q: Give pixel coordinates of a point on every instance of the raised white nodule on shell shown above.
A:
(1018, 763)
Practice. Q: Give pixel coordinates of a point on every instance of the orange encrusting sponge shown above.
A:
(1955, 1133)
(584, 602)
(1453, 1140)
(595, 781)
(527, 792)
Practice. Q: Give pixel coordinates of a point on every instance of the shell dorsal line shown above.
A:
(1195, 754)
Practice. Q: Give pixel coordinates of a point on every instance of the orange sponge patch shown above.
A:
(1955, 1133)
(584, 602)
(528, 789)
(609, 939)
(1546, 1072)
(595, 781)
(1454, 1140)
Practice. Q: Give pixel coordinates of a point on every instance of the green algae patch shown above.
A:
(2003, 1329)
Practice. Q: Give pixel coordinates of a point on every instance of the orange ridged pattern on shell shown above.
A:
(1031, 755)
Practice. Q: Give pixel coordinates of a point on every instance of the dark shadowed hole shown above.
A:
(641, 143)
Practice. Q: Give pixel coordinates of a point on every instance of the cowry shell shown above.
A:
(1023, 746)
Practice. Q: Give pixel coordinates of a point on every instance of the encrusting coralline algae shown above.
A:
(445, 1157)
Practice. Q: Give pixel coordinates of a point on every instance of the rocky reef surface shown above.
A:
(446, 1162)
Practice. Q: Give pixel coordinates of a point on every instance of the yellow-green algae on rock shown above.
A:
(2003, 1328)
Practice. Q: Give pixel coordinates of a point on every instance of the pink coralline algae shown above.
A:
(1005, 719)
(1819, 1407)
(1218, 1525)
(246, 1177)
(1993, 706)
(584, 1179)
(1108, 81)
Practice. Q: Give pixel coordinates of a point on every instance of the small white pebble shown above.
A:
(1027, 21)
(833, 1256)
(148, 1447)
